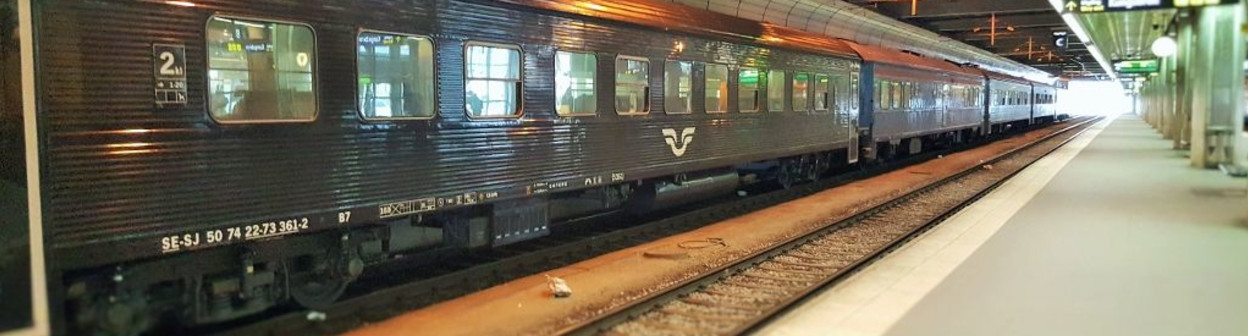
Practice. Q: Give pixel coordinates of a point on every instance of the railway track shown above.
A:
(742, 296)
(569, 243)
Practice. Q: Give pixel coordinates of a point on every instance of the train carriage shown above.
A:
(1009, 101)
(199, 162)
(1044, 102)
(910, 97)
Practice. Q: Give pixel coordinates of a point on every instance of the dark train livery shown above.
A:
(202, 161)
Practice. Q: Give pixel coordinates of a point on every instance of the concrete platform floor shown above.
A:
(1112, 235)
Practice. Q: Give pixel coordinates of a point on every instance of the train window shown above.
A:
(574, 84)
(395, 76)
(632, 85)
(896, 98)
(843, 94)
(260, 71)
(801, 92)
(775, 91)
(905, 93)
(882, 94)
(825, 93)
(747, 89)
(492, 84)
(678, 87)
(716, 88)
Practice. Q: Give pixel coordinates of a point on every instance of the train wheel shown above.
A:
(317, 292)
(316, 282)
(789, 173)
(815, 167)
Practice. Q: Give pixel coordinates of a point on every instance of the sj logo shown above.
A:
(679, 143)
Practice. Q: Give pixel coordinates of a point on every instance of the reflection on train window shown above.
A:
(775, 91)
(824, 92)
(492, 81)
(395, 75)
(880, 95)
(747, 89)
(896, 96)
(840, 94)
(632, 85)
(716, 88)
(801, 92)
(901, 100)
(678, 87)
(260, 71)
(574, 84)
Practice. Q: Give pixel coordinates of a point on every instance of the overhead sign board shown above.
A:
(1137, 66)
(1099, 6)
(1061, 40)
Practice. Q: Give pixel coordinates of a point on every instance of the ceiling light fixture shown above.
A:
(1165, 46)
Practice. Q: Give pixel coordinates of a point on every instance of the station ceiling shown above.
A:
(1023, 30)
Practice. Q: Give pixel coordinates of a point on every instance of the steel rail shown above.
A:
(645, 304)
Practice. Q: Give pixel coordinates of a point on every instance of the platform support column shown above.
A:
(1217, 123)
(1183, 83)
(1166, 98)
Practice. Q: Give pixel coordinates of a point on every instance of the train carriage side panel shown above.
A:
(1009, 100)
(129, 176)
(141, 177)
(1044, 102)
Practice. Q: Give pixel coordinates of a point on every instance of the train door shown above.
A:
(985, 98)
(23, 294)
(866, 104)
(853, 110)
(1031, 102)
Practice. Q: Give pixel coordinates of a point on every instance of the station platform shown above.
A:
(1113, 234)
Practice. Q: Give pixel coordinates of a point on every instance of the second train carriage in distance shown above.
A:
(1044, 103)
(1009, 101)
(910, 98)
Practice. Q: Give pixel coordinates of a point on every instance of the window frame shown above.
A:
(758, 89)
(615, 90)
(520, 110)
(727, 87)
(785, 93)
(828, 96)
(810, 88)
(554, 64)
(359, 110)
(692, 65)
(316, 78)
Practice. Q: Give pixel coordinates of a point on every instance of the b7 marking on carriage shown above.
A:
(679, 144)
